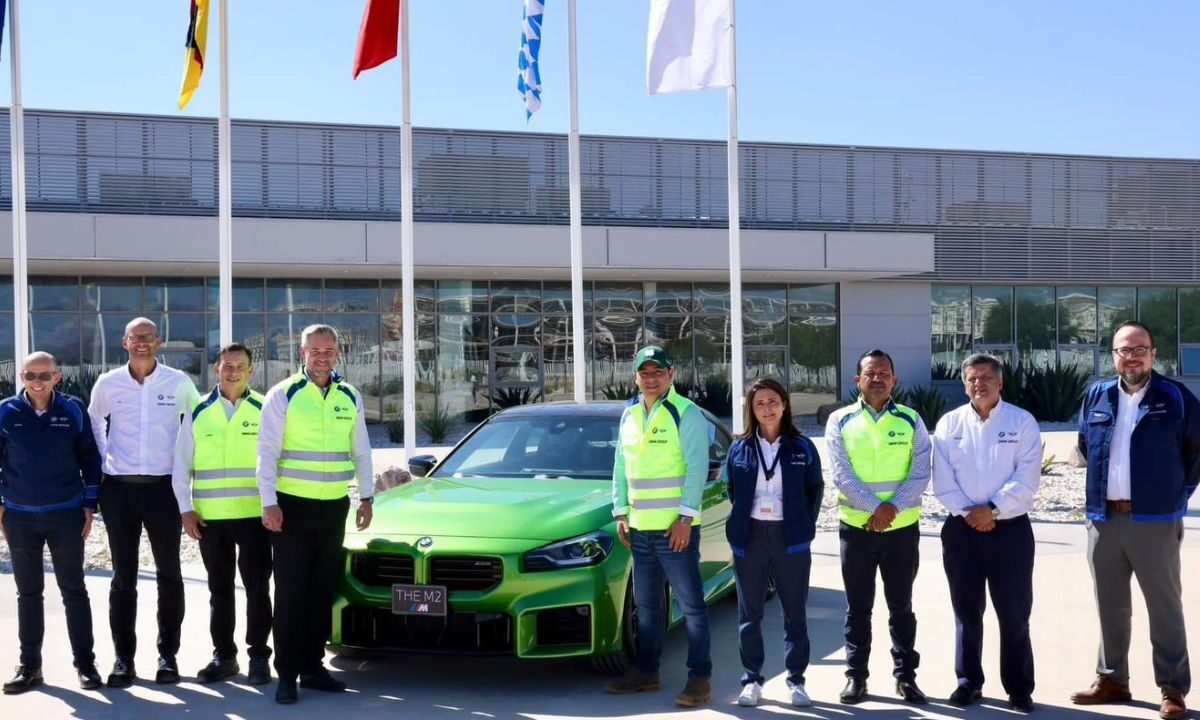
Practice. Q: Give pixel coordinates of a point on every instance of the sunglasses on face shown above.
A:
(30, 376)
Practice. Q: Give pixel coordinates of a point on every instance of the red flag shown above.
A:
(377, 36)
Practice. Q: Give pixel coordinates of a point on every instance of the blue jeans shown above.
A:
(655, 565)
(28, 533)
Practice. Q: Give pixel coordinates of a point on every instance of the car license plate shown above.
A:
(419, 600)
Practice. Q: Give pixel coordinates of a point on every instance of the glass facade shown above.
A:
(480, 345)
(1065, 325)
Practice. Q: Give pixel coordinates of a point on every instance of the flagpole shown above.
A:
(576, 204)
(409, 319)
(737, 364)
(224, 190)
(20, 259)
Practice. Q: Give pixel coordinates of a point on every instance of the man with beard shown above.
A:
(1140, 433)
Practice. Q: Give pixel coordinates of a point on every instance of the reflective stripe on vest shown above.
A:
(655, 469)
(223, 482)
(318, 437)
(880, 452)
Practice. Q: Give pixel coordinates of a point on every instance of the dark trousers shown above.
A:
(766, 552)
(127, 508)
(1000, 563)
(894, 555)
(244, 545)
(27, 534)
(656, 566)
(308, 568)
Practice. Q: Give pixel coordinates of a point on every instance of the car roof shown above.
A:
(598, 408)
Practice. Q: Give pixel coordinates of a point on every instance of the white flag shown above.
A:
(688, 46)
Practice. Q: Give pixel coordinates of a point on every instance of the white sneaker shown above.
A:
(800, 696)
(751, 695)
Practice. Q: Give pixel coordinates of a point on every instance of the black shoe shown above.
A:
(1021, 703)
(912, 694)
(854, 692)
(26, 678)
(321, 680)
(123, 674)
(285, 692)
(260, 671)
(216, 670)
(964, 695)
(89, 677)
(168, 671)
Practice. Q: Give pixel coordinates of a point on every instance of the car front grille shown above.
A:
(473, 633)
(382, 569)
(466, 573)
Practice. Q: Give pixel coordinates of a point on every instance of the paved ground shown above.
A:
(452, 688)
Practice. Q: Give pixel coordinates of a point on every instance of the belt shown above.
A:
(1020, 518)
(1120, 505)
(139, 479)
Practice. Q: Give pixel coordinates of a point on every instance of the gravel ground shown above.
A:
(1059, 499)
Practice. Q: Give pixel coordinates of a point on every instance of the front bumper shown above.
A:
(547, 614)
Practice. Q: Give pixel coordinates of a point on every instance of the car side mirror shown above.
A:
(420, 465)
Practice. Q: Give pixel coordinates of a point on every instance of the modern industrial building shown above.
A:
(928, 254)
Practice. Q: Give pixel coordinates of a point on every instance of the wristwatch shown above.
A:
(367, 500)
(995, 511)
(686, 519)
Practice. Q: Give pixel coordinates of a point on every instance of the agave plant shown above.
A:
(928, 401)
(1053, 394)
(436, 421)
(623, 391)
(512, 397)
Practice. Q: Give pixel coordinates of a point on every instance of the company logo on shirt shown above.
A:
(166, 400)
(57, 421)
(1008, 438)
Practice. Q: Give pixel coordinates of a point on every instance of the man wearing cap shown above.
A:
(659, 474)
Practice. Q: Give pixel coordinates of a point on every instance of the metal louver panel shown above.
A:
(995, 216)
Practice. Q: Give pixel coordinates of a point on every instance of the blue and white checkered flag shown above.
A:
(529, 80)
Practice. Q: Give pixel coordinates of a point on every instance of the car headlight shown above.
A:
(589, 549)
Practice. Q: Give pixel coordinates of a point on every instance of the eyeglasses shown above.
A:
(1132, 351)
(30, 376)
(143, 337)
(877, 375)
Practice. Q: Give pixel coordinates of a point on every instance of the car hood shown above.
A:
(508, 508)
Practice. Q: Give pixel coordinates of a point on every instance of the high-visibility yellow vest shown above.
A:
(318, 436)
(655, 469)
(223, 482)
(880, 452)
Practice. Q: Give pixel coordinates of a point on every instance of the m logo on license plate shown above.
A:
(419, 600)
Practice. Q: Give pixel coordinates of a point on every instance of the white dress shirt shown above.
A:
(1118, 450)
(185, 455)
(270, 445)
(136, 424)
(977, 461)
(768, 494)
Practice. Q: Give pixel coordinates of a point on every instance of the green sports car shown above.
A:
(508, 546)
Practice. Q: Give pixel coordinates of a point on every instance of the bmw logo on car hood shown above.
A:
(425, 542)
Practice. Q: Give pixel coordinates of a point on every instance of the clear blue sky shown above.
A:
(1070, 76)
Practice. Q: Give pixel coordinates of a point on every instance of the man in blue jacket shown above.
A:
(1140, 433)
(49, 484)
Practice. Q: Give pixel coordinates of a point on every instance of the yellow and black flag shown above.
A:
(197, 41)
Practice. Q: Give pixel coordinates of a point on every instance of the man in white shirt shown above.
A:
(986, 470)
(136, 410)
(312, 441)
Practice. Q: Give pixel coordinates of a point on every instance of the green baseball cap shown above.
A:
(654, 354)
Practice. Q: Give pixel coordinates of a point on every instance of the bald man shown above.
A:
(49, 484)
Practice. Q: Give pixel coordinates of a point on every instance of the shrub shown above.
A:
(1053, 394)
(622, 391)
(512, 397)
(395, 430)
(436, 422)
(929, 403)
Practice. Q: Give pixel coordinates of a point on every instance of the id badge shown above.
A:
(770, 507)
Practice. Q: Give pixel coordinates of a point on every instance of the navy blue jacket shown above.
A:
(49, 462)
(803, 486)
(1164, 452)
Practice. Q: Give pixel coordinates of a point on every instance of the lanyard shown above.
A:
(769, 471)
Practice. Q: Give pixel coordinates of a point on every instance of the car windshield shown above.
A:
(537, 447)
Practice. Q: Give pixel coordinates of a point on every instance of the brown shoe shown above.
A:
(632, 681)
(1173, 707)
(695, 693)
(1104, 690)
